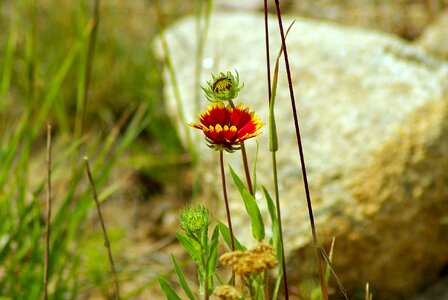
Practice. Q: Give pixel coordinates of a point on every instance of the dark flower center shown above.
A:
(222, 84)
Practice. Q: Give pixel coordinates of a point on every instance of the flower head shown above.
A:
(225, 87)
(194, 220)
(225, 126)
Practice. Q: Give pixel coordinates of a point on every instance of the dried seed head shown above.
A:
(250, 262)
(227, 292)
(265, 254)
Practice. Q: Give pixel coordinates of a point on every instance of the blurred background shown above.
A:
(91, 73)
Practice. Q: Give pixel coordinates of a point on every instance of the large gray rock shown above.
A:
(403, 17)
(374, 120)
(435, 37)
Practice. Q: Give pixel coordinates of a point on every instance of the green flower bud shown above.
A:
(225, 87)
(195, 219)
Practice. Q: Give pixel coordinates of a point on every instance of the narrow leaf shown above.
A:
(255, 215)
(225, 232)
(273, 140)
(188, 246)
(213, 252)
(251, 208)
(212, 258)
(238, 182)
(274, 219)
(169, 292)
(182, 280)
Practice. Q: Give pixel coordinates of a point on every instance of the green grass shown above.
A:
(43, 63)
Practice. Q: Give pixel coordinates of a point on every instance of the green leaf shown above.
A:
(273, 140)
(213, 252)
(251, 208)
(238, 182)
(182, 280)
(225, 232)
(169, 292)
(255, 216)
(274, 220)
(189, 247)
(212, 258)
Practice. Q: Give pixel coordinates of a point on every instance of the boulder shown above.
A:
(406, 18)
(435, 37)
(373, 111)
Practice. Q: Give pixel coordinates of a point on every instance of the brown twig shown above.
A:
(48, 215)
(302, 158)
(103, 226)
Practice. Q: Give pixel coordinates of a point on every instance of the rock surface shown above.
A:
(374, 119)
(435, 37)
(406, 18)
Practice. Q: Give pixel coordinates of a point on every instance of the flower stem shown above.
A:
(279, 218)
(204, 266)
(265, 285)
(246, 169)
(245, 163)
(226, 200)
(302, 159)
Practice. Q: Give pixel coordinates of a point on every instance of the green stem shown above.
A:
(204, 266)
(279, 217)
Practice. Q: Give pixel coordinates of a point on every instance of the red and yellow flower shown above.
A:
(225, 127)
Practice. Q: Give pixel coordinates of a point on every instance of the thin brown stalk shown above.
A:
(273, 147)
(48, 215)
(246, 169)
(90, 52)
(226, 200)
(302, 158)
(103, 226)
(265, 285)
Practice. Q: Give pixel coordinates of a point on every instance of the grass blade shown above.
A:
(225, 232)
(182, 280)
(170, 293)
